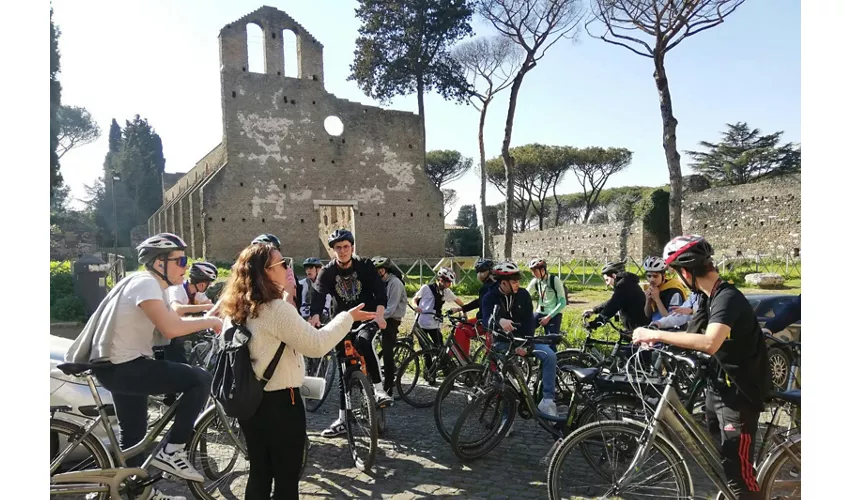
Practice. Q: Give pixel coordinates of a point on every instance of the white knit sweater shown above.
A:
(280, 321)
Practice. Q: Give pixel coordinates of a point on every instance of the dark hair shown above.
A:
(701, 269)
(248, 286)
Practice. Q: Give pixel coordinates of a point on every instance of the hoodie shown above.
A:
(628, 299)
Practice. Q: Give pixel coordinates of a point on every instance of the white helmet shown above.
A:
(535, 263)
(506, 270)
(448, 274)
(654, 264)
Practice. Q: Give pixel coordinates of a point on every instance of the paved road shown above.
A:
(413, 461)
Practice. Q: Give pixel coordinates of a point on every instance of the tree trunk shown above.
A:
(508, 160)
(485, 230)
(420, 98)
(674, 166)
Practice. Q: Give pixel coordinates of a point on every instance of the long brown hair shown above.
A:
(249, 287)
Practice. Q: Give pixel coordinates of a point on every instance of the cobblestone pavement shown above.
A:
(413, 461)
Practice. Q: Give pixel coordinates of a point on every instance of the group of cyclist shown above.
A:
(155, 306)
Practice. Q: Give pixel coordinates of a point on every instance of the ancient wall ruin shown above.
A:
(761, 218)
(281, 169)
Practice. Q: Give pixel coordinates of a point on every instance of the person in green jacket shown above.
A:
(551, 295)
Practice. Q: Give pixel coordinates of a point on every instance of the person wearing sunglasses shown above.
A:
(293, 295)
(119, 338)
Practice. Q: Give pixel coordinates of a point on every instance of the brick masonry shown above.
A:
(761, 218)
(279, 170)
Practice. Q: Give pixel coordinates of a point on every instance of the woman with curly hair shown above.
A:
(276, 433)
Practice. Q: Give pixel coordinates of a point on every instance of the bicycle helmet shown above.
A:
(311, 262)
(687, 251)
(613, 268)
(654, 264)
(506, 270)
(448, 274)
(267, 238)
(536, 263)
(201, 272)
(340, 235)
(160, 244)
(482, 265)
(381, 262)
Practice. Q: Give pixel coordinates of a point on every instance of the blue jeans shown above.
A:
(554, 324)
(549, 365)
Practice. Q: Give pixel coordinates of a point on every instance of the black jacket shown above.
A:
(476, 304)
(628, 299)
(348, 287)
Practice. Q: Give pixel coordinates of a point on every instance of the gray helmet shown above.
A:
(201, 272)
(311, 262)
(341, 234)
(482, 265)
(160, 244)
(613, 268)
(267, 238)
(381, 262)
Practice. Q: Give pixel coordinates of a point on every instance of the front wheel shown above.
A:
(420, 375)
(218, 450)
(483, 424)
(780, 368)
(780, 476)
(609, 448)
(324, 367)
(459, 389)
(361, 422)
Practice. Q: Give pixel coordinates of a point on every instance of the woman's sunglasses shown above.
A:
(281, 262)
(181, 261)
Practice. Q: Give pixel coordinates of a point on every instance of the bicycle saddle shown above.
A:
(77, 368)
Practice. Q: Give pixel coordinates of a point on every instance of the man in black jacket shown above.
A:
(739, 376)
(350, 280)
(628, 298)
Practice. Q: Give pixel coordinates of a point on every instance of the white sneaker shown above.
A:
(337, 428)
(548, 406)
(158, 495)
(381, 396)
(177, 463)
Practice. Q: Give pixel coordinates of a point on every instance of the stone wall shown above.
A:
(759, 218)
(280, 169)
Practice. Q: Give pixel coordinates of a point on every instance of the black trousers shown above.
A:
(132, 382)
(736, 420)
(437, 338)
(275, 435)
(390, 335)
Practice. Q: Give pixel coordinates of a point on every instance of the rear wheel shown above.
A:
(420, 376)
(220, 456)
(324, 367)
(483, 424)
(89, 454)
(780, 368)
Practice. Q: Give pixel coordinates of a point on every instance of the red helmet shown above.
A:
(687, 251)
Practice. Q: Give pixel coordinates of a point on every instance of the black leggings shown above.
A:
(275, 436)
(388, 340)
(437, 338)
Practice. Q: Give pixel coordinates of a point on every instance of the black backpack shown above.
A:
(234, 383)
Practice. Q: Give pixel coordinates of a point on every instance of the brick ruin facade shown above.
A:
(761, 218)
(278, 169)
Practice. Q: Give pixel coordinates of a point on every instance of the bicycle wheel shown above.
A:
(611, 407)
(609, 447)
(483, 424)
(221, 459)
(89, 454)
(460, 388)
(417, 382)
(324, 367)
(361, 422)
(780, 476)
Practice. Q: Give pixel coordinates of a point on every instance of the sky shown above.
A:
(159, 59)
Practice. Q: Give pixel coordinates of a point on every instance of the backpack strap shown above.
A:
(271, 368)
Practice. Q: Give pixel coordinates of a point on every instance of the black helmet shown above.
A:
(613, 268)
(311, 262)
(687, 251)
(201, 272)
(267, 238)
(340, 235)
(482, 265)
(160, 244)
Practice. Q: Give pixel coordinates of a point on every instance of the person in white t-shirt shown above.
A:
(429, 301)
(133, 374)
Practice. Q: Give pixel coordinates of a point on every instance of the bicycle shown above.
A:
(643, 441)
(429, 362)
(104, 472)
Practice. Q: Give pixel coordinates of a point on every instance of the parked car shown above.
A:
(766, 306)
(73, 391)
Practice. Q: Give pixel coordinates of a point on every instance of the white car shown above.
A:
(74, 392)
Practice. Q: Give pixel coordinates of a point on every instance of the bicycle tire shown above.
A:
(101, 459)
(412, 391)
(198, 454)
(661, 444)
(327, 366)
(471, 377)
(633, 406)
(498, 410)
(769, 471)
(362, 460)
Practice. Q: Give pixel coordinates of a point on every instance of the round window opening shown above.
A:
(333, 126)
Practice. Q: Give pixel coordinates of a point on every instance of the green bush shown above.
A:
(65, 305)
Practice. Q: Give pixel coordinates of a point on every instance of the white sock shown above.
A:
(378, 386)
(342, 415)
(171, 447)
